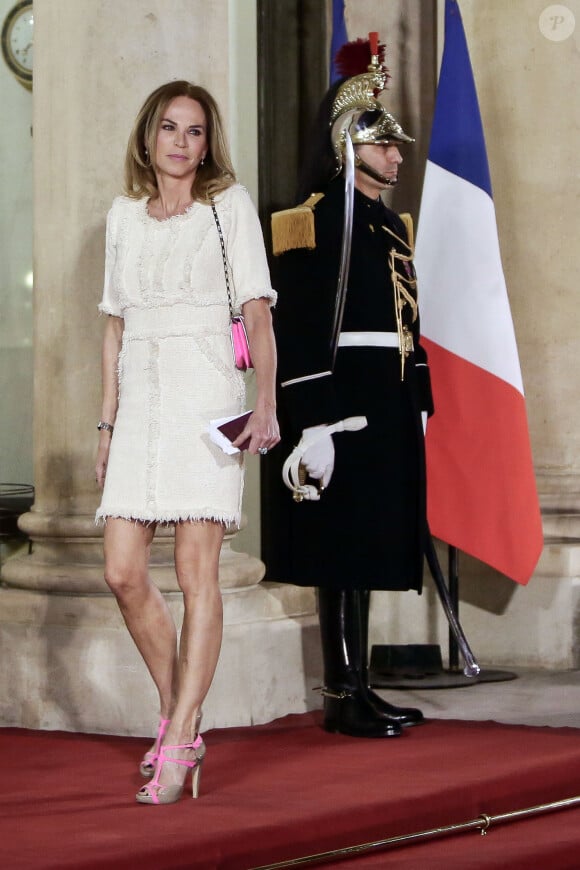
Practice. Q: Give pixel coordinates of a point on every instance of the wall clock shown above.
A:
(17, 33)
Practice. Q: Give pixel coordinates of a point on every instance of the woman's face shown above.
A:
(181, 139)
(384, 159)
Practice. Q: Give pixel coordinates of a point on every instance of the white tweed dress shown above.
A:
(176, 372)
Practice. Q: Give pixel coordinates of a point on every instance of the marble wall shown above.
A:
(527, 80)
(15, 276)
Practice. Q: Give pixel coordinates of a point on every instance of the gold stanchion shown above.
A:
(482, 824)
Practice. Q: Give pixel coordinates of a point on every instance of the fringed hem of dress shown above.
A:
(102, 516)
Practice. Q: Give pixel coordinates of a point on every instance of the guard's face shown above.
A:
(385, 159)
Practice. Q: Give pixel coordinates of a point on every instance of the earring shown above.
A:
(202, 161)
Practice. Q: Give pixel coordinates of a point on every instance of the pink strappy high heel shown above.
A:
(147, 766)
(156, 793)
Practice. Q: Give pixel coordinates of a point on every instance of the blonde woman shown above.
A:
(168, 369)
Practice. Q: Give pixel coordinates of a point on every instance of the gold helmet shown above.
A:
(356, 109)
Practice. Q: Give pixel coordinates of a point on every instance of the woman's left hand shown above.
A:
(262, 427)
(262, 430)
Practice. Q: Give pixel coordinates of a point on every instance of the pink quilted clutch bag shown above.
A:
(240, 345)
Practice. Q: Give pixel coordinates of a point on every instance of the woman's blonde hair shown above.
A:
(217, 172)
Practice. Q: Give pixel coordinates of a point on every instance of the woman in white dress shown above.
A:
(168, 369)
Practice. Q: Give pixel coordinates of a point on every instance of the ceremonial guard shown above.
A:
(354, 389)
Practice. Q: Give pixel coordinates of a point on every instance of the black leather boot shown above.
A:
(347, 709)
(405, 716)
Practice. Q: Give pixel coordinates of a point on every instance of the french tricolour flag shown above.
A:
(482, 494)
(338, 37)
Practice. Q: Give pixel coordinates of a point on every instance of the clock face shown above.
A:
(17, 41)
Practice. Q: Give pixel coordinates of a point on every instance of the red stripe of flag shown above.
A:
(478, 443)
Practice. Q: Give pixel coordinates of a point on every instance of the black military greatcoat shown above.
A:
(367, 531)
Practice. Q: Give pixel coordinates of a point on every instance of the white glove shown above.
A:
(318, 456)
(319, 463)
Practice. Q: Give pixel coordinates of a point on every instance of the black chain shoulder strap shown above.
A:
(226, 270)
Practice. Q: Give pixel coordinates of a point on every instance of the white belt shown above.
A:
(368, 339)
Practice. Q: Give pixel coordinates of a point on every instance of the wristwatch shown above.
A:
(107, 426)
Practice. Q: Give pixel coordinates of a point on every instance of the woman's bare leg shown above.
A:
(127, 550)
(197, 551)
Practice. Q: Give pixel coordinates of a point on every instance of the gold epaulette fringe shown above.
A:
(294, 227)
(408, 221)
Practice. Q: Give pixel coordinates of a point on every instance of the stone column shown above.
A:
(526, 66)
(94, 65)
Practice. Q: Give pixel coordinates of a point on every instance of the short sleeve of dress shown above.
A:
(246, 252)
(110, 302)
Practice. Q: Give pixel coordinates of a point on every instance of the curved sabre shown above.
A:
(471, 668)
(346, 245)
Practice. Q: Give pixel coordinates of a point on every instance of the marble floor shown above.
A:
(535, 697)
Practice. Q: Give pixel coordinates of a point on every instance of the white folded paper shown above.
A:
(218, 437)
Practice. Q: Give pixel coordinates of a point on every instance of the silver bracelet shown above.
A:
(107, 426)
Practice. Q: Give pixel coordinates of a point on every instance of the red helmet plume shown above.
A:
(354, 58)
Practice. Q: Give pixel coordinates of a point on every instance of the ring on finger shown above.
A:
(262, 451)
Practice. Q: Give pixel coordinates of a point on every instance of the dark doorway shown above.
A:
(292, 77)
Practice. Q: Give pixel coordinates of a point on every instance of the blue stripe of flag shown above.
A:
(457, 140)
(339, 36)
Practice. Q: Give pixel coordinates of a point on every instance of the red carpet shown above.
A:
(288, 789)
